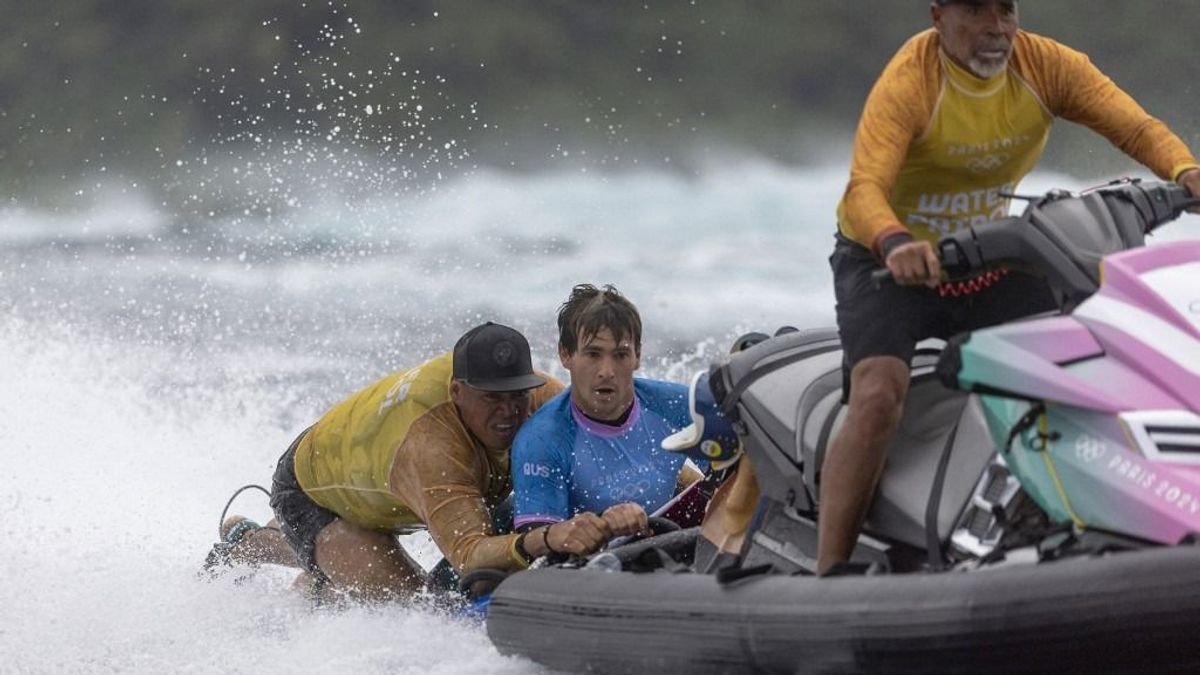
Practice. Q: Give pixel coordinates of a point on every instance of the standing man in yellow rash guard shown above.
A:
(958, 117)
(425, 446)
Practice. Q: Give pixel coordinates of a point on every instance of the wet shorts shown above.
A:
(300, 518)
(891, 320)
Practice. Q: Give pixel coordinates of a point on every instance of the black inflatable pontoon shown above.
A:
(1131, 612)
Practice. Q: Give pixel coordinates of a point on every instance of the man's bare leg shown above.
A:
(367, 564)
(262, 545)
(855, 458)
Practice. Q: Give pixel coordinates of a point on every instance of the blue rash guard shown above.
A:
(564, 463)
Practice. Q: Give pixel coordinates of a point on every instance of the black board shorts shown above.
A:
(300, 518)
(892, 319)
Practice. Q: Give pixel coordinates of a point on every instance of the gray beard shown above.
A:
(986, 71)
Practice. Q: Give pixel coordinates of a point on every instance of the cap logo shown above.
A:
(504, 354)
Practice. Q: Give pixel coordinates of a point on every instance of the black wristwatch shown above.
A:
(519, 546)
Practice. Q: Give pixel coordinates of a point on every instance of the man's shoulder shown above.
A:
(661, 396)
(552, 417)
(403, 396)
(434, 442)
(921, 42)
(1025, 38)
(547, 432)
(420, 387)
(1053, 69)
(1035, 49)
(439, 428)
(641, 384)
(556, 407)
(913, 67)
(917, 50)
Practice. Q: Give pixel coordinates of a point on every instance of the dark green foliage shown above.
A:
(92, 86)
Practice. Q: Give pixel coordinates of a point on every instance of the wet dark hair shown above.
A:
(590, 310)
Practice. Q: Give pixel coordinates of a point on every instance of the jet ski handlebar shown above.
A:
(1060, 225)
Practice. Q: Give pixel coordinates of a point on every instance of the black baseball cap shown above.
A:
(492, 357)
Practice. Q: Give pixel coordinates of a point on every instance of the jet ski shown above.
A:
(1038, 512)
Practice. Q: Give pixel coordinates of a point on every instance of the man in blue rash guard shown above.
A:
(596, 447)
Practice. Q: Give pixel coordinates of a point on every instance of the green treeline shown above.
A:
(141, 86)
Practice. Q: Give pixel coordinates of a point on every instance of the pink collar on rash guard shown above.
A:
(607, 430)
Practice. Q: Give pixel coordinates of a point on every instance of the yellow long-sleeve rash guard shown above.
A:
(937, 146)
(396, 455)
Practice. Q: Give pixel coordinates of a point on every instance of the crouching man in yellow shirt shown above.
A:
(423, 447)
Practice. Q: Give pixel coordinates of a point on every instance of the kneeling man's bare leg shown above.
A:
(260, 545)
(369, 565)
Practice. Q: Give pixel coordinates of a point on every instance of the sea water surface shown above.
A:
(151, 364)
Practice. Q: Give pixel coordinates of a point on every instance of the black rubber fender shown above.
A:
(1127, 612)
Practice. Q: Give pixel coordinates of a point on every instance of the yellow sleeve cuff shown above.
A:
(520, 560)
(1178, 169)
